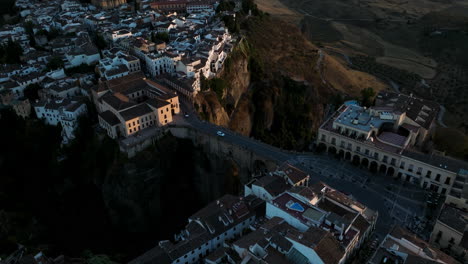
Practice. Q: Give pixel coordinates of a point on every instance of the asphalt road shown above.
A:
(256, 146)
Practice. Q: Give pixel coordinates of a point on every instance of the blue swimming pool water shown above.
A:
(297, 207)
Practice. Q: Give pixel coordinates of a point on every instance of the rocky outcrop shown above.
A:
(237, 74)
(107, 4)
(242, 118)
(210, 108)
(136, 201)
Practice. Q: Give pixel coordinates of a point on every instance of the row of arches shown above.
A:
(357, 160)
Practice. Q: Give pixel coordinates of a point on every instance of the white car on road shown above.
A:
(221, 134)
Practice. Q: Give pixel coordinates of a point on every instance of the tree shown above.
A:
(225, 6)
(248, 5)
(255, 69)
(31, 92)
(55, 63)
(100, 42)
(204, 85)
(367, 96)
(452, 141)
(12, 52)
(7, 7)
(231, 23)
(337, 100)
(162, 36)
(29, 28)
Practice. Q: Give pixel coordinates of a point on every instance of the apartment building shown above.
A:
(61, 111)
(348, 221)
(451, 231)
(161, 63)
(20, 105)
(131, 103)
(401, 246)
(387, 138)
(315, 208)
(207, 230)
(117, 63)
(199, 6)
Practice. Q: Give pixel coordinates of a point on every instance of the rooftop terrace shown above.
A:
(360, 118)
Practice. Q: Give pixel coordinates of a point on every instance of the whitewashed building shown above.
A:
(61, 111)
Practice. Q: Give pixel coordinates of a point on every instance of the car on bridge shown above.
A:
(221, 134)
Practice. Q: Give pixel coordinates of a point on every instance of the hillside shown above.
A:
(274, 76)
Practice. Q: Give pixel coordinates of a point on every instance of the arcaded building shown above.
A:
(388, 138)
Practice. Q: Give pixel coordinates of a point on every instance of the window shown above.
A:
(410, 168)
(367, 152)
(323, 137)
(402, 165)
(393, 162)
(428, 174)
(437, 178)
(333, 141)
(376, 155)
(161, 111)
(358, 149)
(130, 130)
(385, 158)
(447, 180)
(134, 123)
(444, 190)
(349, 146)
(419, 171)
(342, 144)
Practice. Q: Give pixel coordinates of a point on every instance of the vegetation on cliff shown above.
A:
(268, 87)
(87, 197)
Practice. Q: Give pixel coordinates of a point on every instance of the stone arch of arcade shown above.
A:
(362, 161)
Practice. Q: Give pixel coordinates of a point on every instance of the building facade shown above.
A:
(386, 138)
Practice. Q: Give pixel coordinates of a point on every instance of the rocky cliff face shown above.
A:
(255, 98)
(107, 4)
(278, 83)
(137, 202)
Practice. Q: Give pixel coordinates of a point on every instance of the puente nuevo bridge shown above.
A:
(247, 152)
